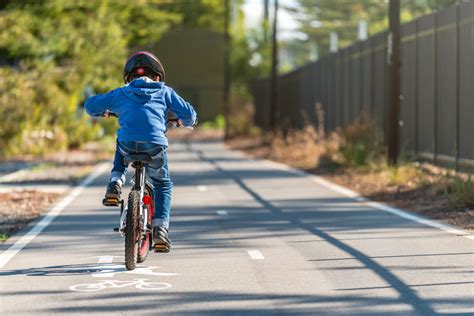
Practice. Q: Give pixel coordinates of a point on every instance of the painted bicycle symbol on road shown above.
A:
(105, 268)
(139, 284)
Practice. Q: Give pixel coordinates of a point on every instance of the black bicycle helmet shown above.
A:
(138, 63)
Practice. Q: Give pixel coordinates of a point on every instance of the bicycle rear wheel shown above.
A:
(145, 243)
(132, 230)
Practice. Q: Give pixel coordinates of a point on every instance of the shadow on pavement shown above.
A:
(406, 294)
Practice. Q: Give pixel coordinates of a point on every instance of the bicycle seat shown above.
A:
(138, 157)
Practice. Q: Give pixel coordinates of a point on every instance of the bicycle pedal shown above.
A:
(162, 248)
(111, 202)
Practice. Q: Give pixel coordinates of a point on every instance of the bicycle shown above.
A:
(136, 217)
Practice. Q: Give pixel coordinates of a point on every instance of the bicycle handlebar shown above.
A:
(173, 122)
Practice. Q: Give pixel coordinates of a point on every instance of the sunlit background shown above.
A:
(55, 53)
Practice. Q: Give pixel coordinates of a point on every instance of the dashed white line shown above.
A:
(222, 212)
(8, 254)
(255, 254)
(202, 188)
(105, 259)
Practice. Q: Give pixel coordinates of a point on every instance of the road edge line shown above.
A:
(376, 205)
(58, 207)
(13, 175)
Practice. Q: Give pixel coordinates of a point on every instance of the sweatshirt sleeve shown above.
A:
(98, 104)
(183, 110)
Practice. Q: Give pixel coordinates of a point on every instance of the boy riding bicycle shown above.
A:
(141, 106)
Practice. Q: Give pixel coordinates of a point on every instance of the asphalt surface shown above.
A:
(248, 239)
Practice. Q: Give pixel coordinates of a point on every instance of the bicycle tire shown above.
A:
(145, 244)
(132, 230)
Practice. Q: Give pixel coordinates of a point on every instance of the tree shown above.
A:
(63, 46)
(318, 18)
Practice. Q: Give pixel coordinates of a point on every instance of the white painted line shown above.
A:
(14, 175)
(222, 212)
(105, 259)
(255, 255)
(202, 188)
(8, 254)
(380, 206)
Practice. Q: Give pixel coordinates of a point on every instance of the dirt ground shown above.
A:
(18, 208)
(428, 200)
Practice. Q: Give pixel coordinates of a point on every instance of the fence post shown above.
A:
(351, 102)
(393, 59)
(334, 91)
(372, 76)
(274, 110)
(458, 82)
(435, 91)
(227, 50)
(416, 88)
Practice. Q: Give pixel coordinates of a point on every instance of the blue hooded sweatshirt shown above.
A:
(141, 107)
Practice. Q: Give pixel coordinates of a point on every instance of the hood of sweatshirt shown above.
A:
(142, 89)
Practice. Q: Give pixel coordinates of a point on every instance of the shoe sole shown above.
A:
(161, 244)
(112, 196)
(111, 202)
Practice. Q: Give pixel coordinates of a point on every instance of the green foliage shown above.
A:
(60, 47)
(217, 123)
(57, 48)
(16, 96)
(207, 14)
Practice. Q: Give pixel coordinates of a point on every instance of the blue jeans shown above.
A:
(157, 172)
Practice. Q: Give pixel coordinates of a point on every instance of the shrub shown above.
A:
(241, 122)
(16, 107)
(460, 191)
(361, 142)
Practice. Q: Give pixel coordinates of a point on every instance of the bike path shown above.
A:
(248, 239)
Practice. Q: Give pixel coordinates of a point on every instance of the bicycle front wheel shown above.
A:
(132, 233)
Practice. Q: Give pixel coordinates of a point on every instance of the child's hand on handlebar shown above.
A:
(108, 114)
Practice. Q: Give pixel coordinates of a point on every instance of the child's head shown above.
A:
(143, 64)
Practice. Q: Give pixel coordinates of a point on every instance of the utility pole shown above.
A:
(274, 112)
(227, 44)
(393, 63)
